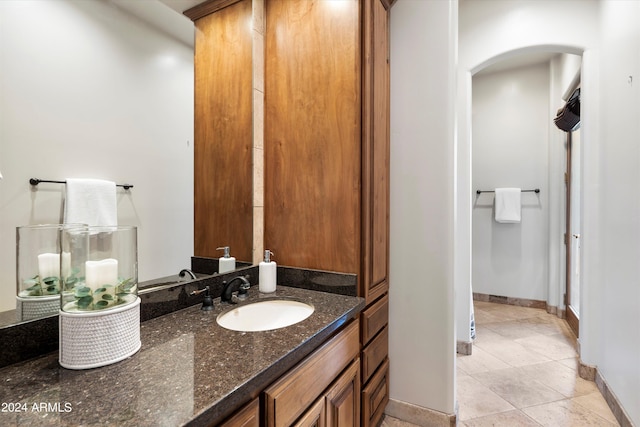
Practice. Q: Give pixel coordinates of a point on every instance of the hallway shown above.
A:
(523, 372)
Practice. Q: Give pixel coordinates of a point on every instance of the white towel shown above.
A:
(507, 205)
(91, 202)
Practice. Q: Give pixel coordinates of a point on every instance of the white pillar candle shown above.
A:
(48, 265)
(100, 273)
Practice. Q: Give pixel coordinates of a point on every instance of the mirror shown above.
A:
(100, 90)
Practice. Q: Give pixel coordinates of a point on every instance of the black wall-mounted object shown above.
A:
(568, 117)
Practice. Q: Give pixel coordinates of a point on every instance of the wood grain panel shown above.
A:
(374, 318)
(375, 146)
(206, 8)
(248, 416)
(374, 353)
(343, 399)
(289, 397)
(375, 396)
(223, 133)
(314, 417)
(380, 175)
(312, 134)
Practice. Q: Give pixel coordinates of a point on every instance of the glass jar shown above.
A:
(103, 268)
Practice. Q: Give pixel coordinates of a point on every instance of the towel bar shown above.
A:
(537, 190)
(36, 181)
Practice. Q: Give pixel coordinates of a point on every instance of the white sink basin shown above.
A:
(265, 315)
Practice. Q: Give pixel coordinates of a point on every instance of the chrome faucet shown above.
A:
(227, 289)
(186, 271)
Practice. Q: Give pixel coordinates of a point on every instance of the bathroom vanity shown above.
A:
(191, 371)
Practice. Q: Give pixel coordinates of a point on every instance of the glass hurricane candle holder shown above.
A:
(38, 266)
(103, 268)
(99, 304)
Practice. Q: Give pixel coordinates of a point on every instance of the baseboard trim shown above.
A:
(559, 312)
(464, 347)
(418, 415)
(586, 372)
(521, 302)
(612, 400)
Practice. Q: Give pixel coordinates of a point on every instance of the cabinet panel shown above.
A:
(287, 399)
(374, 318)
(223, 191)
(248, 416)
(343, 399)
(375, 143)
(374, 353)
(315, 416)
(312, 134)
(375, 396)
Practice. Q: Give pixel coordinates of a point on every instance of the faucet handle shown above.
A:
(207, 303)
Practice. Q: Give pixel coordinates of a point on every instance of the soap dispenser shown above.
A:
(267, 274)
(226, 262)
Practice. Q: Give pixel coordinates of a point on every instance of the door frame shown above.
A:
(571, 316)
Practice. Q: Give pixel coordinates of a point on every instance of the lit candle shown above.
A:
(48, 265)
(100, 273)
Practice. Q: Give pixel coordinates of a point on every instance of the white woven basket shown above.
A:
(91, 339)
(36, 307)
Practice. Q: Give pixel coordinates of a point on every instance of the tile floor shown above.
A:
(523, 373)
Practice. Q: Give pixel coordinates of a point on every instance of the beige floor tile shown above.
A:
(511, 330)
(510, 419)
(511, 313)
(482, 316)
(480, 305)
(513, 353)
(517, 388)
(565, 413)
(479, 361)
(561, 378)
(388, 421)
(476, 400)
(486, 336)
(594, 402)
(571, 362)
(546, 325)
(555, 347)
(525, 360)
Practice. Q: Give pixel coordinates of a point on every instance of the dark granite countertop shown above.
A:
(189, 371)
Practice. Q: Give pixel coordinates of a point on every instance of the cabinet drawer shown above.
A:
(374, 353)
(375, 396)
(292, 394)
(374, 318)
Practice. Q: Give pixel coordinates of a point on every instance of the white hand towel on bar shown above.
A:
(91, 202)
(507, 202)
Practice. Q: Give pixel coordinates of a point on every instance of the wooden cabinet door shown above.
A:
(289, 397)
(312, 133)
(248, 416)
(375, 396)
(314, 417)
(375, 150)
(343, 399)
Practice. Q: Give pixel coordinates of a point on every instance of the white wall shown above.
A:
(510, 149)
(89, 90)
(611, 176)
(422, 346)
